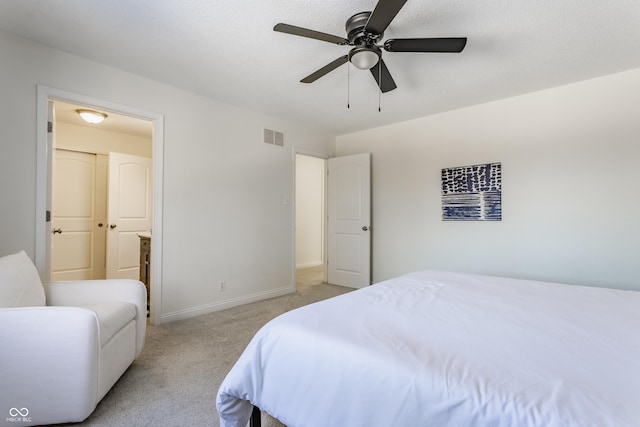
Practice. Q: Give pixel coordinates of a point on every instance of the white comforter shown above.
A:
(444, 349)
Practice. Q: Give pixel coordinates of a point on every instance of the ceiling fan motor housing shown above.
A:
(355, 30)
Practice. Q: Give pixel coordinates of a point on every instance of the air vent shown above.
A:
(273, 137)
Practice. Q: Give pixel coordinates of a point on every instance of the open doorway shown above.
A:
(310, 221)
(44, 176)
(93, 165)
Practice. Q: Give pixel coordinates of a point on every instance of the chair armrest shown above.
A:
(48, 354)
(80, 293)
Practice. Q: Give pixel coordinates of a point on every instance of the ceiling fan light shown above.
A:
(364, 59)
(91, 116)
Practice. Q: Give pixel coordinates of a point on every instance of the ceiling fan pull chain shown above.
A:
(380, 85)
(348, 87)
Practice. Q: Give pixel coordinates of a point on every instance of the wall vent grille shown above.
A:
(273, 137)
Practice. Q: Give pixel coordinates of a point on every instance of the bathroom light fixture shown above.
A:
(91, 116)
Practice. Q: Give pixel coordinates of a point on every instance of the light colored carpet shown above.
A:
(175, 380)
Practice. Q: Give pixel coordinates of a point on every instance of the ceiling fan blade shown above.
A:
(383, 74)
(445, 44)
(325, 70)
(305, 32)
(382, 15)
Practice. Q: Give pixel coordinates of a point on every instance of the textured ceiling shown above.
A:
(227, 50)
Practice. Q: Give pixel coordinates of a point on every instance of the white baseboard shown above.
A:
(309, 264)
(223, 305)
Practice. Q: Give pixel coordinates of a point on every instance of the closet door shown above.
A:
(129, 213)
(74, 216)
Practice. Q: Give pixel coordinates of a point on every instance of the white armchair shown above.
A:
(58, 360)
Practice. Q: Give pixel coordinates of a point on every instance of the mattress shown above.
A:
(446, 349)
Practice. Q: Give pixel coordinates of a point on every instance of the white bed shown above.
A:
(446, 349)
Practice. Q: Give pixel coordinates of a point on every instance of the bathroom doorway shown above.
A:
(310, 255)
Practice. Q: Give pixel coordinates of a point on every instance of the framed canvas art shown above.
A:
(472, 193)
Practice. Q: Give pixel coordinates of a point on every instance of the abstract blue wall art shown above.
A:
(472, 193)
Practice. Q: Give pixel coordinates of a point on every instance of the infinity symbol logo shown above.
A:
(14, 412)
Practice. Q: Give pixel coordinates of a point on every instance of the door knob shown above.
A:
(365, 228)
(112, 226)
(57, 231)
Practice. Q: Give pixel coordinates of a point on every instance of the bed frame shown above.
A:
(255, 420)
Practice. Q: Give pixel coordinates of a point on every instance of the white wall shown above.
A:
(310, 173)
(570, 172)
(224, 214)
(95, 140)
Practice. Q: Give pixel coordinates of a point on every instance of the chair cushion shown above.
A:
(112, 316)
(20, 284)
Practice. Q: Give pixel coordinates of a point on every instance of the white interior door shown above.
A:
(129, 213)
(349, 222)
(74, 216)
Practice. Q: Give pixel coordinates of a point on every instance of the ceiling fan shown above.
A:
(364, 32)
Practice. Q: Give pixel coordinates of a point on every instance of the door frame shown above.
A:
(44, 158)
(324, 157)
